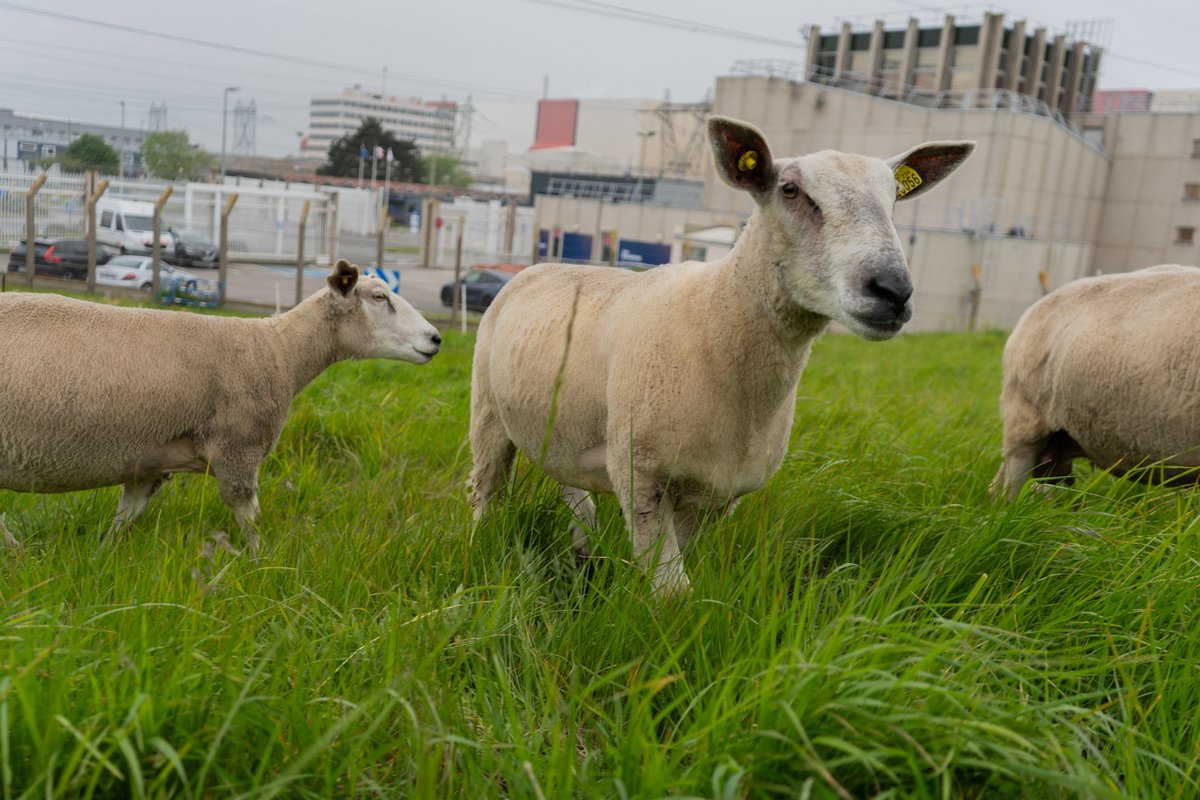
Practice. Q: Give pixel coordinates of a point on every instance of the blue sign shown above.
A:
(576, 247)
(389, 276)
(632, 253)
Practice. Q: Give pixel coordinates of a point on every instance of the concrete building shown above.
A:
(984, 53)
(1151, 209)
(28, 138)
(430, 124)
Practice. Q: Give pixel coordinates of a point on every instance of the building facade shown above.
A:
(27, 139)
(429, 124)
(1151, 209)
(954, 56)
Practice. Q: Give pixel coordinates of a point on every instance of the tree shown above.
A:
(169, 155)
(89, 152)
(345, 152)
(448, 171)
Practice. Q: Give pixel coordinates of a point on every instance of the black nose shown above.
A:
(893, 289)
(436, 338)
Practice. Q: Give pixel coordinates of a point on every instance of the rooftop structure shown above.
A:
(985, 55)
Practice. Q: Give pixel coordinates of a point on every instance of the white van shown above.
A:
(128, 225)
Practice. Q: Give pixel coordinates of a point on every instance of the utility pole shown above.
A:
(121, 166)
(224, 125)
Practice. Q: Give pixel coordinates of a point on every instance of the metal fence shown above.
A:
(60, 207)
(483, 226)
(263, 225)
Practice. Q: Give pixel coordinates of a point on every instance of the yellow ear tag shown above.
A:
(907, 179)
(345, 279)
(748, 161)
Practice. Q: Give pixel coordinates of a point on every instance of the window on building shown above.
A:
(893, 40)
(860, 41)
(1185, 234)
(968, 34)
(1191, 191)
(931, 37)
(1195, 148)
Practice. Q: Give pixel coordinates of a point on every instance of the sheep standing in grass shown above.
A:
(1105, 368)
(95, 395)
(674, 389)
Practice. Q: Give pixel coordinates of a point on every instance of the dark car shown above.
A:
(58, 258)
(194, 249)
(482, 287)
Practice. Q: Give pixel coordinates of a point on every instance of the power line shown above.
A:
(662, 20)
(172, 37)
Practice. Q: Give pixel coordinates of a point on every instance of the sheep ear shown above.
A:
(741, 155)
(343, 278)
(926, 165)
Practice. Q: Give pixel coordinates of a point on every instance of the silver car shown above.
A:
(137, 272)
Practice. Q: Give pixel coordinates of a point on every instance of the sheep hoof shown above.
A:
(671, 582)
(10, 541)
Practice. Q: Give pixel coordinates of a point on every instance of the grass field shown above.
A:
(870, 624)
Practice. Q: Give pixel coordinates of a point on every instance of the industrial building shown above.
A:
(28, 138)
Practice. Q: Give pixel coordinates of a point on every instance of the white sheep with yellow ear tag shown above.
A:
(674, 388)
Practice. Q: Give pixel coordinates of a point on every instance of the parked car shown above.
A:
(137, 272)
(482, 287)
(58, 258)
(194, 249)
(128, 226)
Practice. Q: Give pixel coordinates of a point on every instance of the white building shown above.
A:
(428, 123)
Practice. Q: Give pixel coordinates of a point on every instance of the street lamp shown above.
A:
(224, 120)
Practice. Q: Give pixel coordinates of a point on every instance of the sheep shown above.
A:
(674, 388)
(96, 395)
(1104, 368)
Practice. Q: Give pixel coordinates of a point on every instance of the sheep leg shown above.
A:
(134, 498)
(584, 510)
(492, 453)
(239, 491)
(1025, 434)
(649, 512)
(10, 541)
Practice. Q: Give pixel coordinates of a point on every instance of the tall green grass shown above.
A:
(870, 624)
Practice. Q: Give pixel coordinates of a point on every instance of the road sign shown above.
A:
(389, 276)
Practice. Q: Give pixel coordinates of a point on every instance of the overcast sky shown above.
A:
(56, 61)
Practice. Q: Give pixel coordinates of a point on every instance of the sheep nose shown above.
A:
(893, 289)
(436, 338)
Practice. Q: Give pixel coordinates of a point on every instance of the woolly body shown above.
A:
(678, 384)
(97, 395)
(1106, 368)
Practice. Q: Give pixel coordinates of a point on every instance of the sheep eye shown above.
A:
(380, 296)
(791, 191)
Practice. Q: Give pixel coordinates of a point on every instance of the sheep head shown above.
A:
(375, 322)
(824, 222)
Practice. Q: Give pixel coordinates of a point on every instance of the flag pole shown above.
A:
(362, 152)
(387, 181)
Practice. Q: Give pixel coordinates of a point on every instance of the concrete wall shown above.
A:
(1028, 171)
(1153, 159)
(1009, 268)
